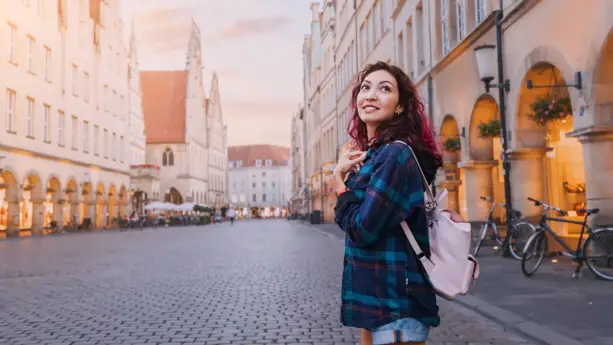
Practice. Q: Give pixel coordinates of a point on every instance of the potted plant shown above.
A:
(545, 110)
(452, 145)
(489, 129)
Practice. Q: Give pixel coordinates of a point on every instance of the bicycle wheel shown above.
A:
(598, 253)
(535, 248)
(518, 237)
(482, 233)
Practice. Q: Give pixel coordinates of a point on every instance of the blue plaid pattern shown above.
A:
(383, 280)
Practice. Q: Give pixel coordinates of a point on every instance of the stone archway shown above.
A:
(52, 207)
(173, 196)
(545, 163)
(480, 177)
(9, 204)
(452, 150)
(31, 207)
(100, 204)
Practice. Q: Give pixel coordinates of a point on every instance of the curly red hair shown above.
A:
(411, 125)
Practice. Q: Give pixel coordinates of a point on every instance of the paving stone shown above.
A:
(259, 282)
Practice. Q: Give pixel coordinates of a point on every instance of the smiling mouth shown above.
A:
(370, 107)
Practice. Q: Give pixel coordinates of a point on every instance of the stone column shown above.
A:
(58, 214)
(38, 210)
(75, 212)
(452, 196)
(598, 163)
(478, 182)
(12, 229)
(527, 179)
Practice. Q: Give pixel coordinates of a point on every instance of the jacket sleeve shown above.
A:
(394, 191)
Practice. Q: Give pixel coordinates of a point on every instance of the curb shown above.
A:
(514, 322)
(509, 321)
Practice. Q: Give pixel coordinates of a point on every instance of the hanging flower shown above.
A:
(545, 110)
(452, 145)
(489, 129)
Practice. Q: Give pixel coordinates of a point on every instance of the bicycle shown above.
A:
(516, 232)
(537, 244)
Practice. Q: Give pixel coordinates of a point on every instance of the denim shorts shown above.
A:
(407, 330)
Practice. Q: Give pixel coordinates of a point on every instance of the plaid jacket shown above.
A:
(383, 280)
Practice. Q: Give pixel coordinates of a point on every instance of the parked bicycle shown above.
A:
(518, 232)
(596, 252)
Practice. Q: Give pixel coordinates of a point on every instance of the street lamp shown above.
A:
(487, 68)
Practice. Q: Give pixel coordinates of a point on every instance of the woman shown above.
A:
(385, 290)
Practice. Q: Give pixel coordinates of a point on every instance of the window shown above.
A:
(444, 26)
(75, 76)
(263, 184)
(264, 197)
(273, 185)
(377, 21)
(114, 103)
(10, 110)
(96, 134)
(168, 157)
(461, 20)
(106, 143)
(114, 147)
(253, 185)
(31, 115)
(253, 198)
(105, 98)
(85, 136)
(364, 45)
(86, 86)
(74, 132)
(385, 15)
(258, 163)
(121, 148)
(41, 7)
(269, 162)
(480, 11)
(12, 48)
(61, 120)
(263, 173)
(47, 63)
(30, 54)
(47, 123)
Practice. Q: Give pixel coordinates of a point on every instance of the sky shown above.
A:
(255, 46)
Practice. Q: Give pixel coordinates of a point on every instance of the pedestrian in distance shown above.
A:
(385, 289)
(231, 215)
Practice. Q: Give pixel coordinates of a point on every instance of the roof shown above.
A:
(164, 94)
(279, 155)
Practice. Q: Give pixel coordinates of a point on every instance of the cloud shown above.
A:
(253, 26)
(166, 29)
(256, 109)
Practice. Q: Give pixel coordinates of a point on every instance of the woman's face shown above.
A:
(377, 100)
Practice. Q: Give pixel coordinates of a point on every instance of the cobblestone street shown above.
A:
(259, 282)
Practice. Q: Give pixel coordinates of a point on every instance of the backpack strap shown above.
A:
(423, 177)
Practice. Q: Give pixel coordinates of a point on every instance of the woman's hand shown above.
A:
(348, 161)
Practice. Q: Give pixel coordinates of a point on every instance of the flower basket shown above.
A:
(545, 110)
(452, 144)
(489, 129)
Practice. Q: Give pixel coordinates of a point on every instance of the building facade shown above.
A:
(217, 139)
(174, 106)
(64, 100)
(300, 199)
(259, 179)
(435, 41)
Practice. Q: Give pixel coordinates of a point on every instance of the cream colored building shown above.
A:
(299, 199)
(174, 105)
(566, 162)
(217, 139)
(65, 109)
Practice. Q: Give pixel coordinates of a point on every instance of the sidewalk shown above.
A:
(549, 307)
